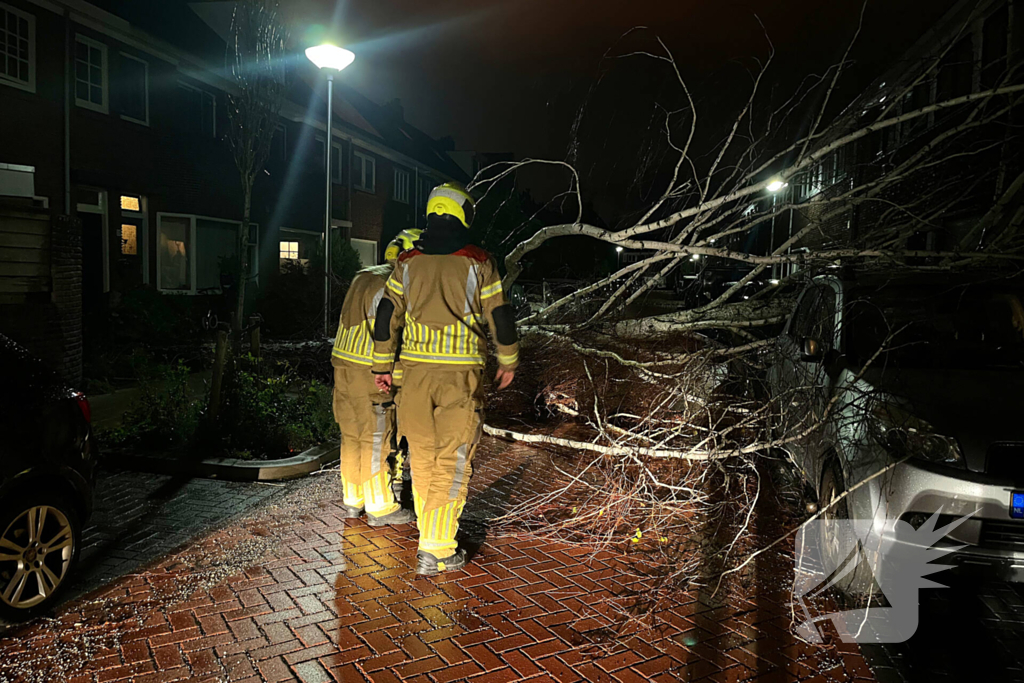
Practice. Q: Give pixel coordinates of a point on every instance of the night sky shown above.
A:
(510, 75)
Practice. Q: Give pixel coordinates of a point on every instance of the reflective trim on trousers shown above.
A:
(378, 437)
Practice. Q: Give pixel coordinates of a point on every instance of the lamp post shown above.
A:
(775, 187)
(329, 59)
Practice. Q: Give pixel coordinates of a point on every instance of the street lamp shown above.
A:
(775, 186)
(329, 59)
(618, 256)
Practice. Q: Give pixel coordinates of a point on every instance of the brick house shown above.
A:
(120, 111)
(972, 47)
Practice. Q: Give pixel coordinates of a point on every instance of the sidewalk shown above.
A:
(293, 592)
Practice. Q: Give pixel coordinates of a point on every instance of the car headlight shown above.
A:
(927, 446)
(904, 435)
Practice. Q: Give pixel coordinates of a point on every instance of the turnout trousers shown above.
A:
(441, 412)
(367, 421)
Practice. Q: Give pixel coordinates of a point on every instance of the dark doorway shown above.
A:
(126, 274)
(92, 262)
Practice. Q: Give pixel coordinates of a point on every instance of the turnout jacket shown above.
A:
(443, 301)
(354, 341)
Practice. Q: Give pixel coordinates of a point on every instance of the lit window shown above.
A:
(90, 74)
(174, 253)
(129, 239)
(17, 48)
(365, 169)
(130, 203)
(290, 250)
(402, 186)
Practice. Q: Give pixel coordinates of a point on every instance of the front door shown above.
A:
(126, 274)
(92, 262)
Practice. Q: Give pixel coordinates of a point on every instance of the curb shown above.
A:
(231, 469)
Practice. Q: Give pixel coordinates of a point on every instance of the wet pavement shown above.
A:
(290, 591)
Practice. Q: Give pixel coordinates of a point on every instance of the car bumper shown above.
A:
(992, 542)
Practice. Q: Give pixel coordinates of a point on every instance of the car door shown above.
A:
(800, 386)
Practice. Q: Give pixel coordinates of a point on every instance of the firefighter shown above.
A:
(443, 293)
(365, 415)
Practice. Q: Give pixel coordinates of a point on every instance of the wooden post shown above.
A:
(220, 357)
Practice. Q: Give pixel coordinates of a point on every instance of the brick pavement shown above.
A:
(296, 593)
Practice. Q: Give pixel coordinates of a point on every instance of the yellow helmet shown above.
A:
(403, 242)
(451, 199)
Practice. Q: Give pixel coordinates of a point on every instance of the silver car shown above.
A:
(908, 392)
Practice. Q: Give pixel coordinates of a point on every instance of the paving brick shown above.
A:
(334, 599)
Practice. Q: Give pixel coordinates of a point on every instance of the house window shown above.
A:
(401, 186)
(129, 239)
(90, 74)
(198, 255)
(956, 71)
(174, 249)
(17, 48)
(197, 111)
(131, 203)
(335, 158)
(367, 250)
(132, 89)
(279, 145)
(289, 250)
(365, 169)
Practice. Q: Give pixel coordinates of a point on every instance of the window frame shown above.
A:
(376, 250)
(401, 173)
(363, 158)
(145, 64)
(281, 250)
(213, 111)
(30, 84)
(254, 246)
(104, 107)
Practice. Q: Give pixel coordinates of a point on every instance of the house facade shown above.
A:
(975, 47)
(119, 114)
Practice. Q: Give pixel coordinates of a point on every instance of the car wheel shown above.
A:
(40, 536)
(858, 583)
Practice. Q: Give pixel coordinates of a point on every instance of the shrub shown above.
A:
(166, 413)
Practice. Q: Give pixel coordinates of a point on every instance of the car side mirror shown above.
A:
(810, 351)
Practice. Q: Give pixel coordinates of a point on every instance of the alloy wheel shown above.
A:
(35, 552)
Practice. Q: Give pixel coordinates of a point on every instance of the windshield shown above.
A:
(958, 326)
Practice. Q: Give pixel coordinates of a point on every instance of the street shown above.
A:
(286, 590)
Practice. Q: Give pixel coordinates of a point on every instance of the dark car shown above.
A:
(907, 392)
(47, 460)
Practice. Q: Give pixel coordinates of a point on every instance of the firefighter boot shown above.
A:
(428, 565)
(399, 516)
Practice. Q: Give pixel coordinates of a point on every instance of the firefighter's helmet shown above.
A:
(451, 199)
(402, 242)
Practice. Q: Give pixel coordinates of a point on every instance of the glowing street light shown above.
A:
(329, 56)
(776, 185)
(618, 250)
(329, 59)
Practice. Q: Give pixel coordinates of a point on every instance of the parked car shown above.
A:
(923, 374)
(47, 460)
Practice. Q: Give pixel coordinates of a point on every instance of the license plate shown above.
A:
(1017, 505)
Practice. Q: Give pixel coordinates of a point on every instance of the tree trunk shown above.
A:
(237, 322)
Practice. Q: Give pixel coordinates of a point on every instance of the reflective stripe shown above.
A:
(383, 357)
(453, 359)
(471, 285)
(460, 470)
(490, 290)
(344, 355)
(355, 343)
(372, 313)
(378, 439)
(395, 287)
(508, 359)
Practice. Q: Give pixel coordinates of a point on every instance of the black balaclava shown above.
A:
(444, 235)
